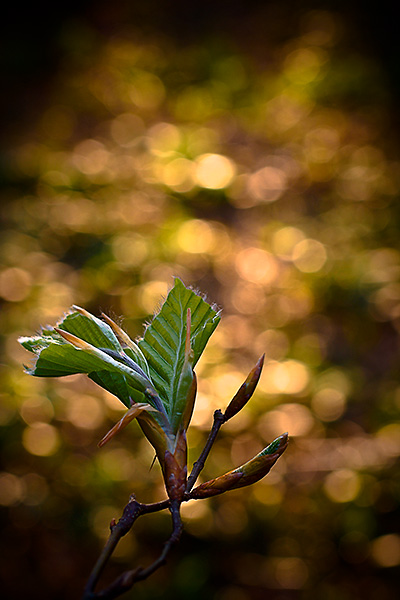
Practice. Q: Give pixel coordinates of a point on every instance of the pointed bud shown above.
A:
(256, 468)
(249, 473)
(75, 341)
(216, 486)
(245, 391)
(83, 311)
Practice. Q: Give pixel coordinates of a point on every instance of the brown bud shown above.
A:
(216, 486)
(245, 391)
(256, 468)
(252, 471)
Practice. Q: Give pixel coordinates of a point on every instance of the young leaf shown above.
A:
(164, 343)
(129, 346)
(116, 384)
(74, 347)
(83, 344)
(86, 326)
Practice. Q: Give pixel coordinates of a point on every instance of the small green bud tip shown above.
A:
(277, 445)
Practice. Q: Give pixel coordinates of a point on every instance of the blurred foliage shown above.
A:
(269, 179)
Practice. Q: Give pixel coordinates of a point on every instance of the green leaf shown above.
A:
(116, 384)
(99, 353)
(163, 346)
(157, 371)
(91, 329)
(57, 359)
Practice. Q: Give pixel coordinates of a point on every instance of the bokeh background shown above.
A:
(252, 150)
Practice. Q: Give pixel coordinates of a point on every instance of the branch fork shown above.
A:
(181, 490)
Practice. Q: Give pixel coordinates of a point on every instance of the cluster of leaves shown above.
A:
(153, 378)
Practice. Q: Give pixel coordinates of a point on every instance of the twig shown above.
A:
(124, 582)
(131, 512)
(198, 466)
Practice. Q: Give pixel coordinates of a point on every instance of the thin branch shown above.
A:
(101, 563)
(131, 512)
(124, 582)
(198, 466)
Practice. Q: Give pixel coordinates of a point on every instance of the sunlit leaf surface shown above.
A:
(163, 344)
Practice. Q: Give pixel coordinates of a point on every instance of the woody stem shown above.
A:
(124, 582)
(219, 420)
(132, 511)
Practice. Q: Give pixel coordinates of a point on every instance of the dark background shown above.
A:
(34, 40)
